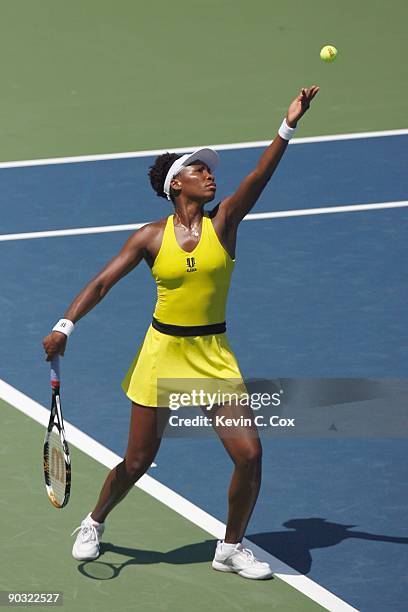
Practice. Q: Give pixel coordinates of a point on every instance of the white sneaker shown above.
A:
(86, 545)
(241, 561)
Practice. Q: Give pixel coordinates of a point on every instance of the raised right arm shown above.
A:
(133, 251)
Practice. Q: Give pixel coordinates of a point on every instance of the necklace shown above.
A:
(193, 231)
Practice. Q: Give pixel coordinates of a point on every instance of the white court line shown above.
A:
(174, 501)
(220, 147)
(279, 214)
(102, 229)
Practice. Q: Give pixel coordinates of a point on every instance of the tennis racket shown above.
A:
(57, 461)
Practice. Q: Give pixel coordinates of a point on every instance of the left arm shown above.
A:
(236, 206)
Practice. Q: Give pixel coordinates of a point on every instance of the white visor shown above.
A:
(206, 155)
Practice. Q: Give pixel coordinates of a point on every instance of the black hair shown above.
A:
(159, 170)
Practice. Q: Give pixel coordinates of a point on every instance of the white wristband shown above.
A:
(65, 326)
(285, 131)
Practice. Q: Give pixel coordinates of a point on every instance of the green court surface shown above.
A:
(101, 76)
(160, 560)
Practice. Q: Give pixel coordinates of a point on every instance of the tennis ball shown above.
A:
(328, 53)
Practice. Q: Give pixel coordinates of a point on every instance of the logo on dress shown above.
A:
(191, 262)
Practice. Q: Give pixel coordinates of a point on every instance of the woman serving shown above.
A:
(191, 255)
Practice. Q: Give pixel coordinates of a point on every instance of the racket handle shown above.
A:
(55, 371)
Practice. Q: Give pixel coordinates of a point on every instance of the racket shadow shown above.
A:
(200, 552)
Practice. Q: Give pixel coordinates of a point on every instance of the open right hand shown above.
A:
(54, 344)
(300, 105)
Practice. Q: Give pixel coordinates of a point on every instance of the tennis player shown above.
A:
(191, 256)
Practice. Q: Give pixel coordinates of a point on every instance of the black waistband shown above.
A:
(189, 330)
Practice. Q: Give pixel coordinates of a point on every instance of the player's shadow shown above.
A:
(104, 568)
(191, 553)
(293, 547)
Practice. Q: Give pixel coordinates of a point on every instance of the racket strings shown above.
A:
(56, 466)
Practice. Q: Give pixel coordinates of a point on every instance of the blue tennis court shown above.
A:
(312, 297)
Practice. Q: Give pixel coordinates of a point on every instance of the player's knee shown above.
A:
(249, 458)
(137, 465)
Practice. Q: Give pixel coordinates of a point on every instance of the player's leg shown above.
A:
(145, 434)
(244, 447)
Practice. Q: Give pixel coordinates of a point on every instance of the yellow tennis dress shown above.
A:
(192, 291)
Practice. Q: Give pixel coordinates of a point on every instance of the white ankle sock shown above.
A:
(91, 520)
(227, 547)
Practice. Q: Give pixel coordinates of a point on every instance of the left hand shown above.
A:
(300, 105)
